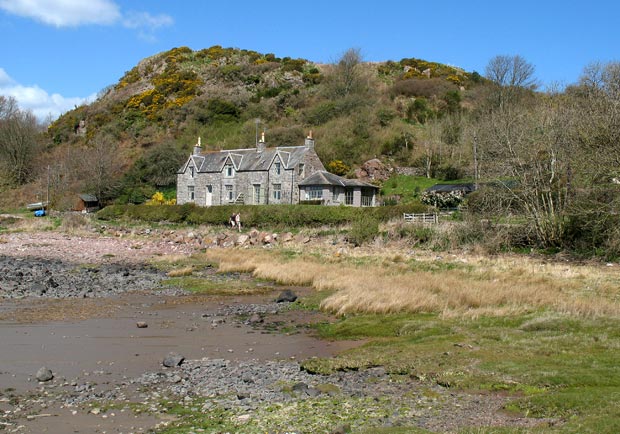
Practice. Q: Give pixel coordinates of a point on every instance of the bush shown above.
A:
(268, 216)
(364, 229)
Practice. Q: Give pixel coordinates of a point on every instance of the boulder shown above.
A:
(173, 360)
(286, 296)
(255, 319)
(373, 170)
(44, 374)
(287, 237)
(242, 239)
(141, 325)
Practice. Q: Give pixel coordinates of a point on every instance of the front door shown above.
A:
(209, 196)
(257, 194)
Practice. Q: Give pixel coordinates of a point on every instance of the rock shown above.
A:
(342, 429)
(44, 374)
(141, 325)
(287, 237)
(373, 170)
(300, 387)
(173, 360)
(255, 319)
(286, 296)
(242, 239)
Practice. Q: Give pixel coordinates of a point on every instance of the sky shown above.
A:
(58, 54)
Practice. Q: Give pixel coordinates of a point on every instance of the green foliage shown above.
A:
(283, 216)
(363, 229)
(559, 366)
(419, 111)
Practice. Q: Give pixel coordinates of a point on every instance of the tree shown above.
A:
(103, 167)
(19, 142)
(347, 77)
(511, 75)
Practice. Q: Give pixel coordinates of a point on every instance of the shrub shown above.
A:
(363, 229)
(421, 87)
(338, 167)
(442, 200)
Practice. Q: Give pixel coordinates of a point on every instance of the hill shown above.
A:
(140, 129)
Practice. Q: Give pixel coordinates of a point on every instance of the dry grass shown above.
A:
(179, 272)
(485, 286)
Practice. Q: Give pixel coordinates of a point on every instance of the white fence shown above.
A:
(421, 218)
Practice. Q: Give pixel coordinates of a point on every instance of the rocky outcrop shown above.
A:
(373, 170)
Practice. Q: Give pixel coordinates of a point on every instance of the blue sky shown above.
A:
(56, 54)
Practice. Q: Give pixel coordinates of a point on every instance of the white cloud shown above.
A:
(137, 20)
(65, 13)
(73, 13)
(38, 101)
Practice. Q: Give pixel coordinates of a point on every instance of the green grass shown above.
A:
(412, 186)
(199, 285)
(556, 366)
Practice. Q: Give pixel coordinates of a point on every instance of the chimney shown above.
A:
(309, 142)
(260, 146)
(197, 148)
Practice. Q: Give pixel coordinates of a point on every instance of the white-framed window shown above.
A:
(230, 196)
(257, 194)
(190, 193)
(348, 197)
(314, 192)
(300, 169)
(277, 191)
(191, 171)
(229, 171)
(278, 167)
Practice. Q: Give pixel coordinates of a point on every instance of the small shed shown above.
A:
(87, 203)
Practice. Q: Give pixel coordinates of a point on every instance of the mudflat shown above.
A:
(128, 355)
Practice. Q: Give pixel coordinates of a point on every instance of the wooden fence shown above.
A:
(421, 218)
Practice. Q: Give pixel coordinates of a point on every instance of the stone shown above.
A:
(255, 319)
(287, 237)
(173, 360)
(141, 325)
(242, 239)
(286, 296)
(342, 429)
(44, 374)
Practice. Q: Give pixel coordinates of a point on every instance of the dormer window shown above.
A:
(229, 171)
(191, 171)
(278, 167)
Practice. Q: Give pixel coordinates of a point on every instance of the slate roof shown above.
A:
(247, 160)
(447, 188)
(88, 197)
(326, 178)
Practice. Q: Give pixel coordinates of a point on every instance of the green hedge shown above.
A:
(258, 216)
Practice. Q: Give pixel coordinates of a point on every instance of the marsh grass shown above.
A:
(546, 333)
(200, 285)
(470, 287)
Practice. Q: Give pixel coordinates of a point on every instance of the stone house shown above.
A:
(331, 189)
(253, 176)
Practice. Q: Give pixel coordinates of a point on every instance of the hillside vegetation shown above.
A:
(546, 162)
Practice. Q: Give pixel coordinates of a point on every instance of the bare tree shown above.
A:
(347, 77)
(102, 167)
(511, 76)
(19, 144)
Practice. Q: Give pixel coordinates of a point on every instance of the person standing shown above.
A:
(238, 221)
